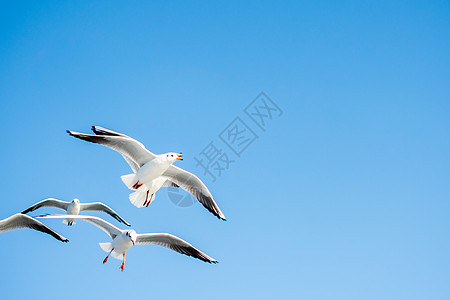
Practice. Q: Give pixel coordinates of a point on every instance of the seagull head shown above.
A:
(76, 201)
(172, 157)
(132, 235)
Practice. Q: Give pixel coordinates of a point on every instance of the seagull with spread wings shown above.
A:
(18, 221)
(74, 208)
(122, 240)
(151, 172)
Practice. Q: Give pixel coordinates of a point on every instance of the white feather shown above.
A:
(129, 180)
(106, 246)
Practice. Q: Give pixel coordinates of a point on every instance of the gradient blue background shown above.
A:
(345, 196)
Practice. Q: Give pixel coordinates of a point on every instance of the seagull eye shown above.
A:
(172, 155)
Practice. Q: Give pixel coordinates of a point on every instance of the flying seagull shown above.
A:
(122, 240)
(18, 221)
(74, 208)
(151, 172)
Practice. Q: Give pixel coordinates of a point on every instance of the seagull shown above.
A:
(74, 208)
(23, 221)
(124, 239)
(151, 172)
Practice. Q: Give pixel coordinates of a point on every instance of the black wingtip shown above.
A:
(125, 223)
(40, 216)
(94, 129)
(122, 221)
(65, 241)
(69, 132)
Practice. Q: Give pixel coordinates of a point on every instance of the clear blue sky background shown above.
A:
(345, 196)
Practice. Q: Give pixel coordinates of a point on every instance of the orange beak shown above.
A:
(179, 156)
(132, 242)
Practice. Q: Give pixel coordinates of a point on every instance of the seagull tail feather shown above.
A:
(106, 246)
(69, 221)
(130, 180)
(140, 197)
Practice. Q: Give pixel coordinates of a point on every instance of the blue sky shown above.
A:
(344, 196)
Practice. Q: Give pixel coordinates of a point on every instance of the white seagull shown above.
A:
(124, 239)
(151, 172)
(74, 208)
(18, 221)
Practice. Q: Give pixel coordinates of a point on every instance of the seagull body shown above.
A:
(18, 221)
(147, 180)
(74, 208)
(156, 167)
(151, 172)
(123, 240)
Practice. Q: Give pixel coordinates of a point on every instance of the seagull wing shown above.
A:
(172, 242)
(196, 187)
(50, 202)
(98, 206)
(24, 221)
(168, 183)
(107, 227)
(133, 151)
(98, 130)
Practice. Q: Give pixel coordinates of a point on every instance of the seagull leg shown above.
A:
(146, 198)
(137, 185)
(149, 201)
(106, 258)
(122, 266)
